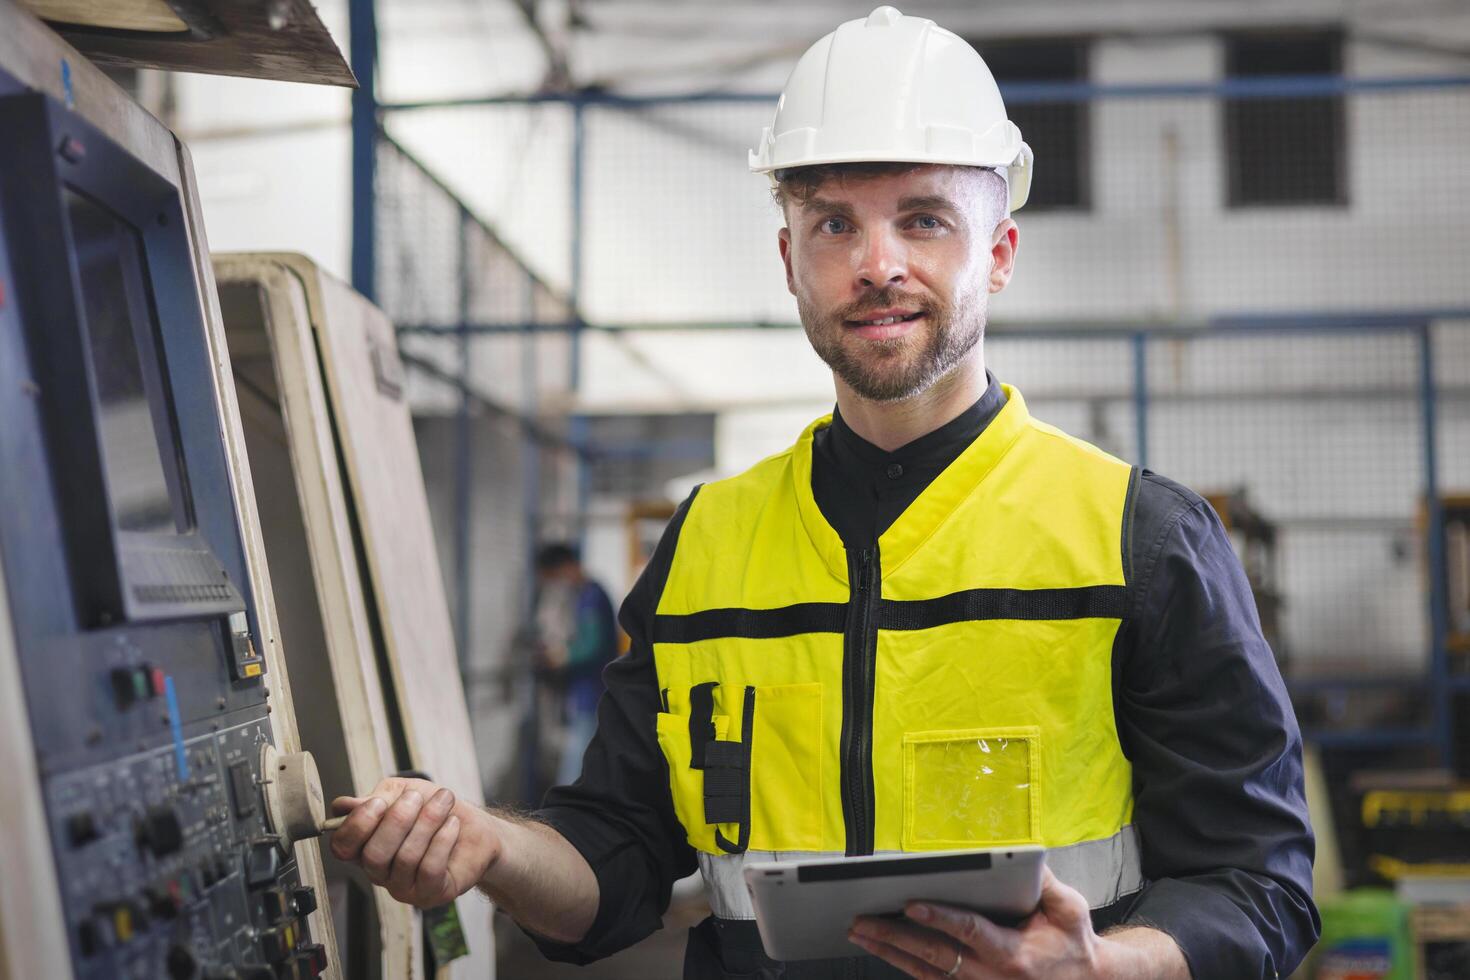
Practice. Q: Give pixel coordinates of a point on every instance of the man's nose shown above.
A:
(882, 261)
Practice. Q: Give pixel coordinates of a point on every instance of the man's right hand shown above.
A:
(416, 840)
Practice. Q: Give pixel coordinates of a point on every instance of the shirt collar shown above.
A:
(934, 449)
(932, 507)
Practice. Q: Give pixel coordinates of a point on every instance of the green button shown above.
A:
(141, 689)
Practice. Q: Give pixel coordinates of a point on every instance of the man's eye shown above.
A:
(927, 222)
(833, 226)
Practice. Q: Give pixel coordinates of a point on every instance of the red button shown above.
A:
(157, 681)
(72, 150)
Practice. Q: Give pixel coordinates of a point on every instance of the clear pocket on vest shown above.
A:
(971, 788)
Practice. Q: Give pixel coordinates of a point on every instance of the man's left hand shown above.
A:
(1056, 942)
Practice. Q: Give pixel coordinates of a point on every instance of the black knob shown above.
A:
(160, 831)
(89, 937)
(181, 963)
(303, 899)
(161, 902)
(81, 828)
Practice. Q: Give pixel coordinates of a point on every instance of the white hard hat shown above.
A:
(894, 88)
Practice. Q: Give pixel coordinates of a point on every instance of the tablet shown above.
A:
(804, 909)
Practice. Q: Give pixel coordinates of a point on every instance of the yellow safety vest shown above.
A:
(950, 689)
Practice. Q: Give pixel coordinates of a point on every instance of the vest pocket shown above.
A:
(977, 787)
(757, 782)
(686, 783)
(786, 769)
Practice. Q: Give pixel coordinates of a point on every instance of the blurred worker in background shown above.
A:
(934, 622)
(578, 636)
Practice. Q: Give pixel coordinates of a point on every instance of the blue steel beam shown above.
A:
(1016, 93)
(1439, 670)
(530, 450)
(464, 462)
(1140, 396)
(1286, 321)
(363, 44)
(577, 424)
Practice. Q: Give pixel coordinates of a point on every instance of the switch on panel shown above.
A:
(133, 684)
(313, 960)
(89, 936)
(273, 945)
(242, 787)
(303, 901)
(81, 828)
(181, 963)
(263, 864)
(160, 831)
(275, 904)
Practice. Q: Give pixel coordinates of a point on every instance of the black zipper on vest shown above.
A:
(859, 657)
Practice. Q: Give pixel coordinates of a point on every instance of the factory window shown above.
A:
(1285, 150)
(1057, 131)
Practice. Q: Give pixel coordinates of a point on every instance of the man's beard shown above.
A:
(892, 370)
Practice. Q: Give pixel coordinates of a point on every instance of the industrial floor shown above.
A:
(659, 957)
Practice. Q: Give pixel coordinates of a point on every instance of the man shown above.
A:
(933, 623)
(578, 639)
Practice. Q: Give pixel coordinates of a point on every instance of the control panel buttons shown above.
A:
(312, 959)
(139, 683)
(89, 936)
(123, 690)
(263, 864)
(275, 902)
(178, 890)
(81, 828)
(164, 900)
(124, 921)
(181, 963)
(242, 788)
(247, 662)
(273, 945)
(160, 831)
(303, 901)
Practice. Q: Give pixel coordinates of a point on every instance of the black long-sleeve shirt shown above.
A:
(1200, 707)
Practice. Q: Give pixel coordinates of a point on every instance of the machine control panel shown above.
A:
(163, 870)
(134, 622)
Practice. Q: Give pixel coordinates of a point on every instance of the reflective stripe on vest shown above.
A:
(951, 688)
(1102, 870)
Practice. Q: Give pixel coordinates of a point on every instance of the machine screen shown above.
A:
(109, 262)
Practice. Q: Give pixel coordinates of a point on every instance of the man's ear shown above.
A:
(783, 242)
(1003, 247)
